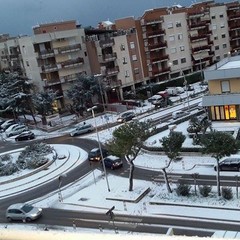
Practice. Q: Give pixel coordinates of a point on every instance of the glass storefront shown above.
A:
(227, 112)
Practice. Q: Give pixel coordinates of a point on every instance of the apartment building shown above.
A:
(223, 100)
(10, 57)
(54, 57)
(114, 54)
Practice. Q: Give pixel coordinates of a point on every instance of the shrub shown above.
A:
(8, 169)
(205, 190)
(183, 190)
(227, 193)
(5, 158)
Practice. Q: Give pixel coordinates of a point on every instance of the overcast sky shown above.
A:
(19, 16)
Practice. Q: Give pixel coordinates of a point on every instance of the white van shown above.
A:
(179, 114)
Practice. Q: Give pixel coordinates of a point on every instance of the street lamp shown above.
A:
(99, 144)
(185, 83)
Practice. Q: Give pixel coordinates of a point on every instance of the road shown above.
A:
(151, 224)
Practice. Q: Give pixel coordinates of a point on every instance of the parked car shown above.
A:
(95, 154)
(113, 162)
(127, 116)
(25, 136)
(86, 128)
(229, 164)
(17, 130)
(7, 123)
(179, 114)
(23, 211)
(155, 98)
(11, 127)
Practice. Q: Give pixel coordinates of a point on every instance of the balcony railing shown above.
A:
(109, 57)
(110, 71)
(49, 68)
(199, 25)
(52, 82)
(46, 53)
(160, 58)
(155, 33)
(198, 37)
(234, 16)
(157, 72)
(157, 45)
(150, 22)
(106, 43)
(234, 26)
(70, 48)
(202, 48)
(69, 78)
(72, 63)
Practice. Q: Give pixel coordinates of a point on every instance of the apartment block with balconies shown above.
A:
(223, 99)
(57, 55)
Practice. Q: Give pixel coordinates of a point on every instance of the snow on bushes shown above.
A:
(7, 167)
(34, 156)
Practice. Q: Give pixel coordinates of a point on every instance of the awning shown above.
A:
(221, 100)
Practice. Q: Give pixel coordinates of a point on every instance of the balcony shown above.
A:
(156, 33)
(151, 22)
(158, 72)
(72, 63)
(69, 78)
(198, 25)
(109, 57)
(46, 54)
(234, 26)
(13, 57)
(202, 48)
(70, 48)
(195, 14)
(234, 16)
(51, 82)
(234, 37)
(110, 71)
(197, 38)
(160, 58)
(156, 46)
(49, 68)
(106, 43)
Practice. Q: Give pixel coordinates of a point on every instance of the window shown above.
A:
(170, 25)
(225, 55)
(216, 47)
(122, 47)
(215, 37)
(173, 50)
(221, 15)
(213, 17)
(127, 73)
(225, 86)
(214, 27)
(124, 60)
(134, 57)
(218, 58)
(132, 45)
(183, 60)
(178, 24)
(180, 36)
(222, 25)
(171, 38)
(85, 54)
(175, 62)
(223, 35)
(136, 70)
(182, 48)
(224, 45)
(27, 63)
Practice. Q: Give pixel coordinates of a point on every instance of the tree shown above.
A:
(82, 91)
(219, 145)
(127, 142)
(171, 145)
(43, 103)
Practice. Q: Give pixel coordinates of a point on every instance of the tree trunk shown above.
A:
(131, 175)
(166, 180)
(218, 179)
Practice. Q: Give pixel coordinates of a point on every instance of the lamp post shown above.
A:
(99, 144)
(185, 83)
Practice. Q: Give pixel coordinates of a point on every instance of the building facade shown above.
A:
(223, 99)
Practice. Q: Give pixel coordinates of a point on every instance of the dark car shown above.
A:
(127, 116)
(25, 136)
(229, 164)
(95, 154)
(113, 162)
